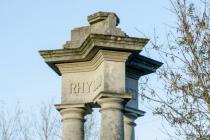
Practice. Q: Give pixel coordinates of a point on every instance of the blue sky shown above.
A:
(27, 26)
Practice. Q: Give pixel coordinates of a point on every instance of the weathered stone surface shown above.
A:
(83, 81)
(129, 125)
(100, 16)
(73, 121)
(100, 67)
(112, 125)
(90, 47)
(100, 23)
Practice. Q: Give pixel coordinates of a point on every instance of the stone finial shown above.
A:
(104, 23)
(100, 16)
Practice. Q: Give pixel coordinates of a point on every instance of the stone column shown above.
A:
(73, 123)
(112, 125)
(129, 125)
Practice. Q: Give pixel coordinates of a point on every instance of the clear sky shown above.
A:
(27, 26)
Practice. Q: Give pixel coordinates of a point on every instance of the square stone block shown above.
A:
(82, 82)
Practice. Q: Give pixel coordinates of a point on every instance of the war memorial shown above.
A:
(100, 67)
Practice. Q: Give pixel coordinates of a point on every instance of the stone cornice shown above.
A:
(112, 95)
(90, 47)
(138, 112)
(139, 65)
(94, 63)
(60, 107)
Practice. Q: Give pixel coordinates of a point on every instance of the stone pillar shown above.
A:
(129, 125)
(73, 123)
(112, 125)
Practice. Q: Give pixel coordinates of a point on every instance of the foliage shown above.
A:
(18, 124)
(43, 123)
(183, 100)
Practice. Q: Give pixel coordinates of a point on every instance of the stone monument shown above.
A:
(100, 67)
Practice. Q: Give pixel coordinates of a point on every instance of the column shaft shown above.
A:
(129, 126)
(73, 123)
(112, 126)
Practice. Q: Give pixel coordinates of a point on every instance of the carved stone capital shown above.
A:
(111, 103)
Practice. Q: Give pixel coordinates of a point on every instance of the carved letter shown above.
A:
(73, 88)
(80, 87)
(89, 86)
(97, 83)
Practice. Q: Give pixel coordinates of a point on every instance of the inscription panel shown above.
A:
(85, 87)
(109, 77)
(82, 87)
